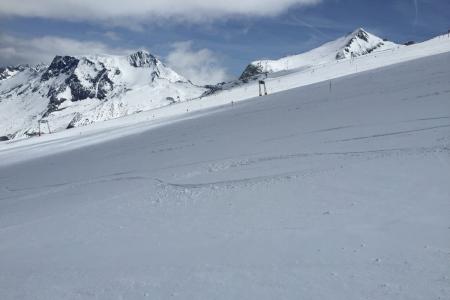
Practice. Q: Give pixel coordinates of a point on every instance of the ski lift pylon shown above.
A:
(44, 122)
(262, 84)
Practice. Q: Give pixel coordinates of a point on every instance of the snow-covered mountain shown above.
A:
(357, 43)
(7, 72)
(74, 91)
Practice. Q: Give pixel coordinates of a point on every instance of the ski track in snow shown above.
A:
(392, 133)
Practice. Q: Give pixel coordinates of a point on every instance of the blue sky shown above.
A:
(217, 39)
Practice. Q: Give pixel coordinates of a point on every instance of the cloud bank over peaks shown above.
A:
(16, 50)
(144, 10)
(201, 66)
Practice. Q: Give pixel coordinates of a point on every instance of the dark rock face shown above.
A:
(341, 55)
(4, 138)
(361, 35)
(60, 65)
(212, 89)
(87, 87)
(142, 59)
(5, 71)
(251, 71)
(96, 83)
(96, 87)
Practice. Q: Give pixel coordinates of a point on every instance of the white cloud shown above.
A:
(14, 50)
(200, 66)
(146, 10)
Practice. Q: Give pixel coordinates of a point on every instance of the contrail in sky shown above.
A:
(416, 6)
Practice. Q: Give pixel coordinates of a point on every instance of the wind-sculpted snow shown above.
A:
(309, 193)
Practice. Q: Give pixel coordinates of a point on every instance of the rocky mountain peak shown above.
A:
(359, 43)
(60, 65)
(361, 34)
(141, 59)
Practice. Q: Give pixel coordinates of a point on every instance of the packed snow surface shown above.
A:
(317, 192)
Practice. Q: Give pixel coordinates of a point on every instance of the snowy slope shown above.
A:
(328, 71)
(234, 93)
(357, 43)
(76, 91)
(304, 194)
